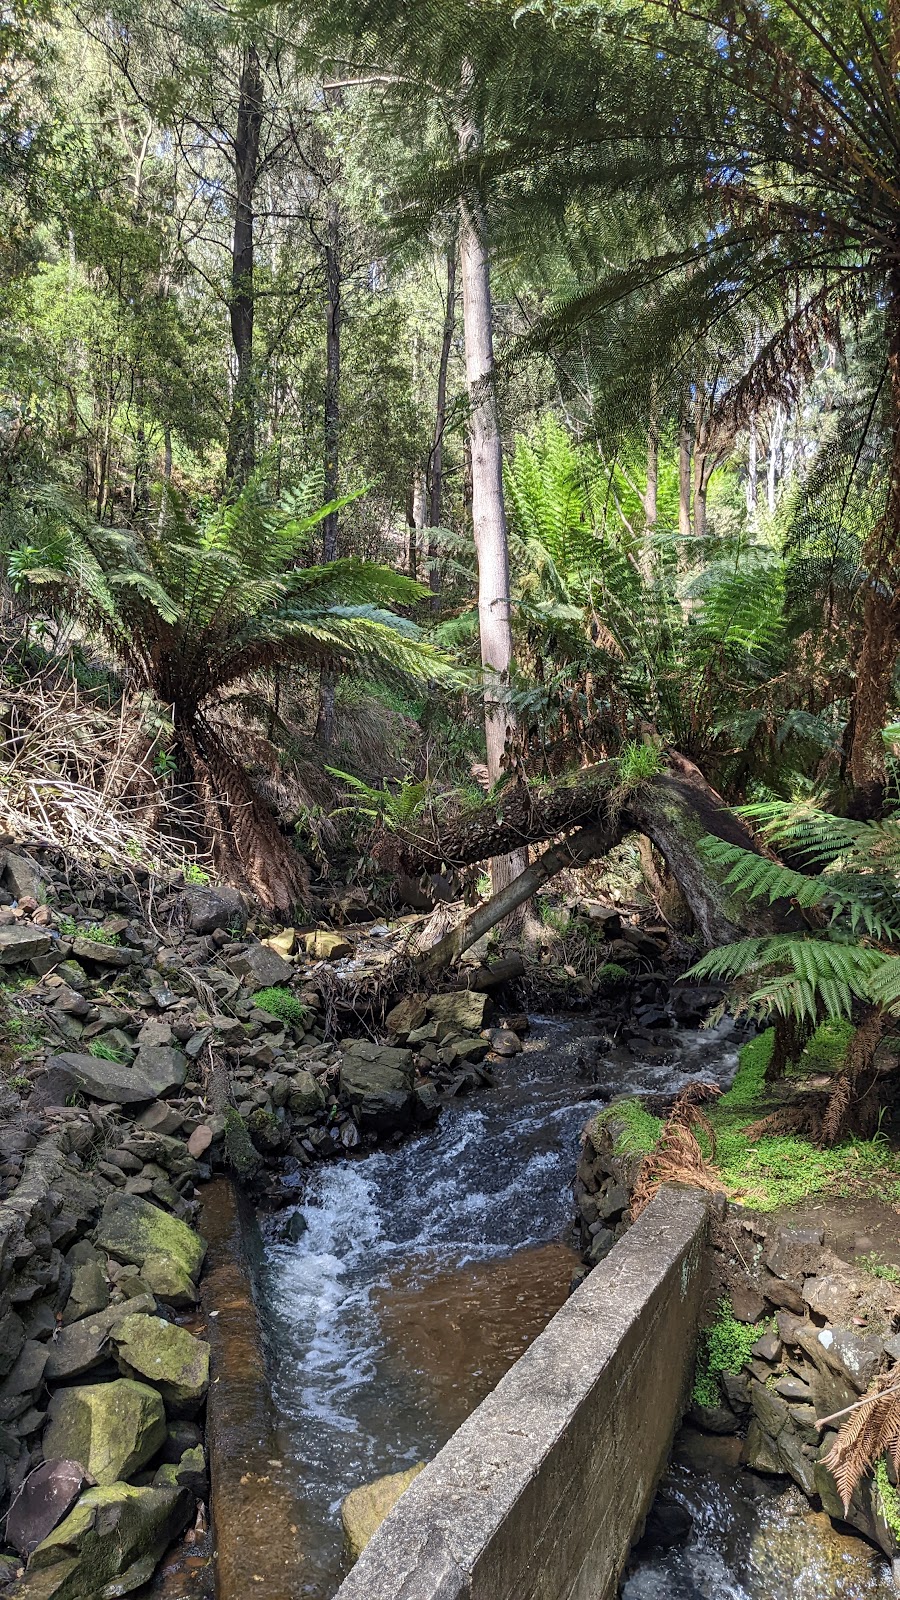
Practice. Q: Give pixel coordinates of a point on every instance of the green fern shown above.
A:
(395, 808)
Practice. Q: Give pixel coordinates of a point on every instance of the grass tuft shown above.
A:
(280, 1003)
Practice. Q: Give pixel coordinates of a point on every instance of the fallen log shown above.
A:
(675, 810)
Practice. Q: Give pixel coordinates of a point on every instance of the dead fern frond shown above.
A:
(802, 1119)
(871, 1430)
(678, 1157)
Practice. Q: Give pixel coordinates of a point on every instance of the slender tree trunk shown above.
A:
(332, 433)
(488, 508)
(241, 454)
(752, 469)
(651, 493)
(873, 695)
(435, 479)
(685, 455)
(775, 439)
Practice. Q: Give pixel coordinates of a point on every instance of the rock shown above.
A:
(364, 1509)
(131, 1229)
(42, 1502)
(713, 1419)
(264, 968)
(160, 1118)
(110, 1543)
(169, 1281)
(377, 1081)
(89, 1292)
(794, 1253)
(20, 943)
(767, 1348)
(83, 1345)
(305, 1096)
(22, 877)
(323, 946)
(760, 1452)
(778, 1424)
(209, 909)
(504, 1042)
(464, 1009)
(169, 1357)
(189, 1472)
(458, 1050)
(856, 1356)
(408, 1015)
(746, 1304)
(200, 1140)
(668, 1524)
(691, 1003)
(27, 1373)
(779, 1293)
(111, 1429)
(102, 955)
(845, 1568)
(283, 943)
(156, 1071)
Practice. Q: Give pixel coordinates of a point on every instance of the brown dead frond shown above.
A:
(872, 1429)
(800, 1119)
(678, 1157)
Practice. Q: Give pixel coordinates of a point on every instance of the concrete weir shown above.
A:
(539, 1494)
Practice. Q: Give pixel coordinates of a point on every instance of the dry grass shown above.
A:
(678, 1157)
(76, 775)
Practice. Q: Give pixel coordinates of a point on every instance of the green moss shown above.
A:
(280, 1003)
(888, 1498)
(827, 1047)
(725, 1347)
(878, 1268)
(611, 975)
(641, 1129)
(749, 1080)
(239, 1149)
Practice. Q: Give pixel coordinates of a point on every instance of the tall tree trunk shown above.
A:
(651, 493)
(332, 432)
(241, 454)
(775, 439)
(488, 508)
(880, 646)
(435, 478)
(752, 469)
(685, 455)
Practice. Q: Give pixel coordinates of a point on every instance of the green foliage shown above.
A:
(641, 1129)
(280, 1003)
(726, 1347)
(192, 872)
(749, 1080)
(828, 1047)
(612, 976)
(888, 1497)
(637, 764)
(850, 880)
(393, 808)
(879, 1269)
(106, 1052)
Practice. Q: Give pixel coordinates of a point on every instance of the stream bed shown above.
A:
(424, 1272)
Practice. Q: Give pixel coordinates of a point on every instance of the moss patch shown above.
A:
(280, 1003)
(725, 1347)
(641, 1129)
(888, 1498)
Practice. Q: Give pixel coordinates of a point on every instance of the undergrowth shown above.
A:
(879, 1269)
(888, 1498)
(725, 1347)
(280, 1003)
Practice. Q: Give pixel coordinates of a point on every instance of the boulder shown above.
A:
(168, 1281)
(306, 1096)
(188, 1472)
(83, 1345)
(110, 1429)
(46, 1495)
(110, 1543)
(131, 1229)
(22, 877)
(209, 909)
(323, 946)
(261, 966)
(377, 1081)
(19, 942)
(89, 1291)
(169, 1357)
(156, 1071)
(364, 1509)
(464, 1010)
(407, 1015)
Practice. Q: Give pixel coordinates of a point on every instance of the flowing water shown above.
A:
(425, 1272)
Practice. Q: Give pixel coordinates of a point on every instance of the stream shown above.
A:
(425, 1271)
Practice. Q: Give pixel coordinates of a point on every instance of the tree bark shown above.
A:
(488, 508)
(674, 810)
(575, 851)
(685, 453)
(881, 617)
(241, 453)
(332, 434)
(435, 477)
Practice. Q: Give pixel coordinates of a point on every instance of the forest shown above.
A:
(450, 496)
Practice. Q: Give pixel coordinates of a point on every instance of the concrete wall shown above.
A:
(540, 1492)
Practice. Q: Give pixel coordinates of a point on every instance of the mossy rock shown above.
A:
(168, 1280)
(305, 1095)
(364, 1509)
(110, 1429)
(165, 1355)
(131, 1229)
(109, 1544)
